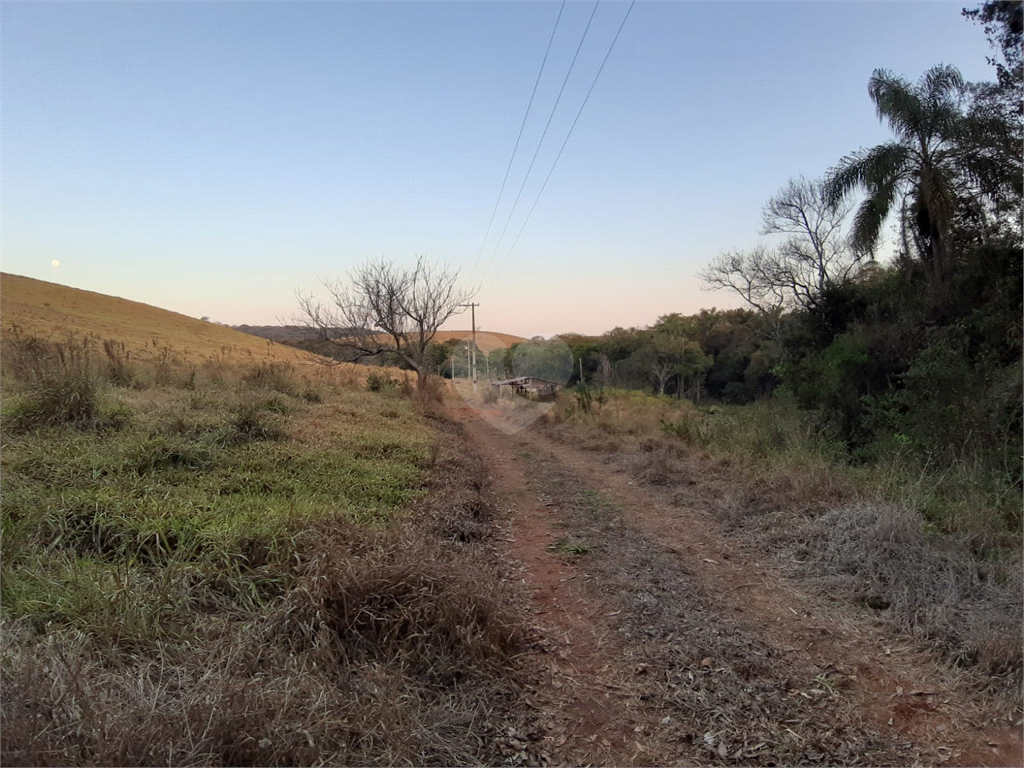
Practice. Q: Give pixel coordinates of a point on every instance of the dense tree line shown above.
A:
(910, 345)
(920, 351)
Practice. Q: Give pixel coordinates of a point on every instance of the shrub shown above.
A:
(378, 382)
(312, 395)
(928, 587)
(275, 376)
(251, 423)
(688, 429)
(60, 386)
(119, 372)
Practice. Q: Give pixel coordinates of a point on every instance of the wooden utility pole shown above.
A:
(472, 366)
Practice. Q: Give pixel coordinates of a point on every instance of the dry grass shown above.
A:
(386, 649)
(858, 532)
(934, 589)
(722, 693)
(163, 347)
(487, 342)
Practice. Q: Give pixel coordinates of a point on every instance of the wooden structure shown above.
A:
(530, 386)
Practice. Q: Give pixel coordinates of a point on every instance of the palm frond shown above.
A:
(871, 215)
(867, 168)
(896, 103)
(941, 83)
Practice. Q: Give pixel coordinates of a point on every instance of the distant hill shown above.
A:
(52, 310)
(297, 333)
(283, 333)
(486, 340)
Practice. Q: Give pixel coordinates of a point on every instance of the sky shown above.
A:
(214, 158)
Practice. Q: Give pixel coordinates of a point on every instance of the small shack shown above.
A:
(529, 386)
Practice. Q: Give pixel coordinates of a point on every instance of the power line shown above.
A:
(520, 136)
(545, 133)
(580, 112)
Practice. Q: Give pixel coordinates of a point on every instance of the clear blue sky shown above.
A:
(211, 158)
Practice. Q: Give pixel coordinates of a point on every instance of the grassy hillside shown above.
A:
(485, 340)
(185, 511)
(41, 308)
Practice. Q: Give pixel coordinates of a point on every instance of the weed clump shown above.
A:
(277, 377)
(391, 597)
(161, 453)
(882, 557)
(380, 382)
(251, 423)
(119, 371)
(60, 386)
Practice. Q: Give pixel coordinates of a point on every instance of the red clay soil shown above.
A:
(600, 701)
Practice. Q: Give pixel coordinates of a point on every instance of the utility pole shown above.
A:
(472, 366)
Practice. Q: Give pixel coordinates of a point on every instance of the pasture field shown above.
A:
(231, 563)
(212, 558)
(485, 340)
(51, 311)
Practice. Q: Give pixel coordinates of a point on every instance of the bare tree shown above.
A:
(383, 307)
(814, 256)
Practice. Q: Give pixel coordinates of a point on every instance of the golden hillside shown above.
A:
(485, 340)
(51, 310)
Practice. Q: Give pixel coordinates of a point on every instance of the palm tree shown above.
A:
(918, 172)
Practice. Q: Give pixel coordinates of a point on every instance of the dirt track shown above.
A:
(662, 642)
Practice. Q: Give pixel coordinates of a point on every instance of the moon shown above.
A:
(56, 262)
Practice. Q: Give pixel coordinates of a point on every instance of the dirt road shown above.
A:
(662, 642)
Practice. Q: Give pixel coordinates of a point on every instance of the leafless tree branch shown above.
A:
(383, 307)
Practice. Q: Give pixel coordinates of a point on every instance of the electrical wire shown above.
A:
(580, 112)
(519, 137)
(539, 143)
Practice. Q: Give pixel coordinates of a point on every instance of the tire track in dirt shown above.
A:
(589, 717)
(618, 692)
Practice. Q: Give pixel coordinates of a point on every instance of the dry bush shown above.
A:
(60, 385)
(251, 423)
(657, 462)
(387, 648)
(427, 398)
(120, 372)
(881, 556)
(396, 598)
(234, 697)
(275, 376)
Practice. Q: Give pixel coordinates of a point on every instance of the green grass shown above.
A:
(113, 531)
(569, 547)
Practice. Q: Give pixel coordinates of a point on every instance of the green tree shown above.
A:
(918, 173)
